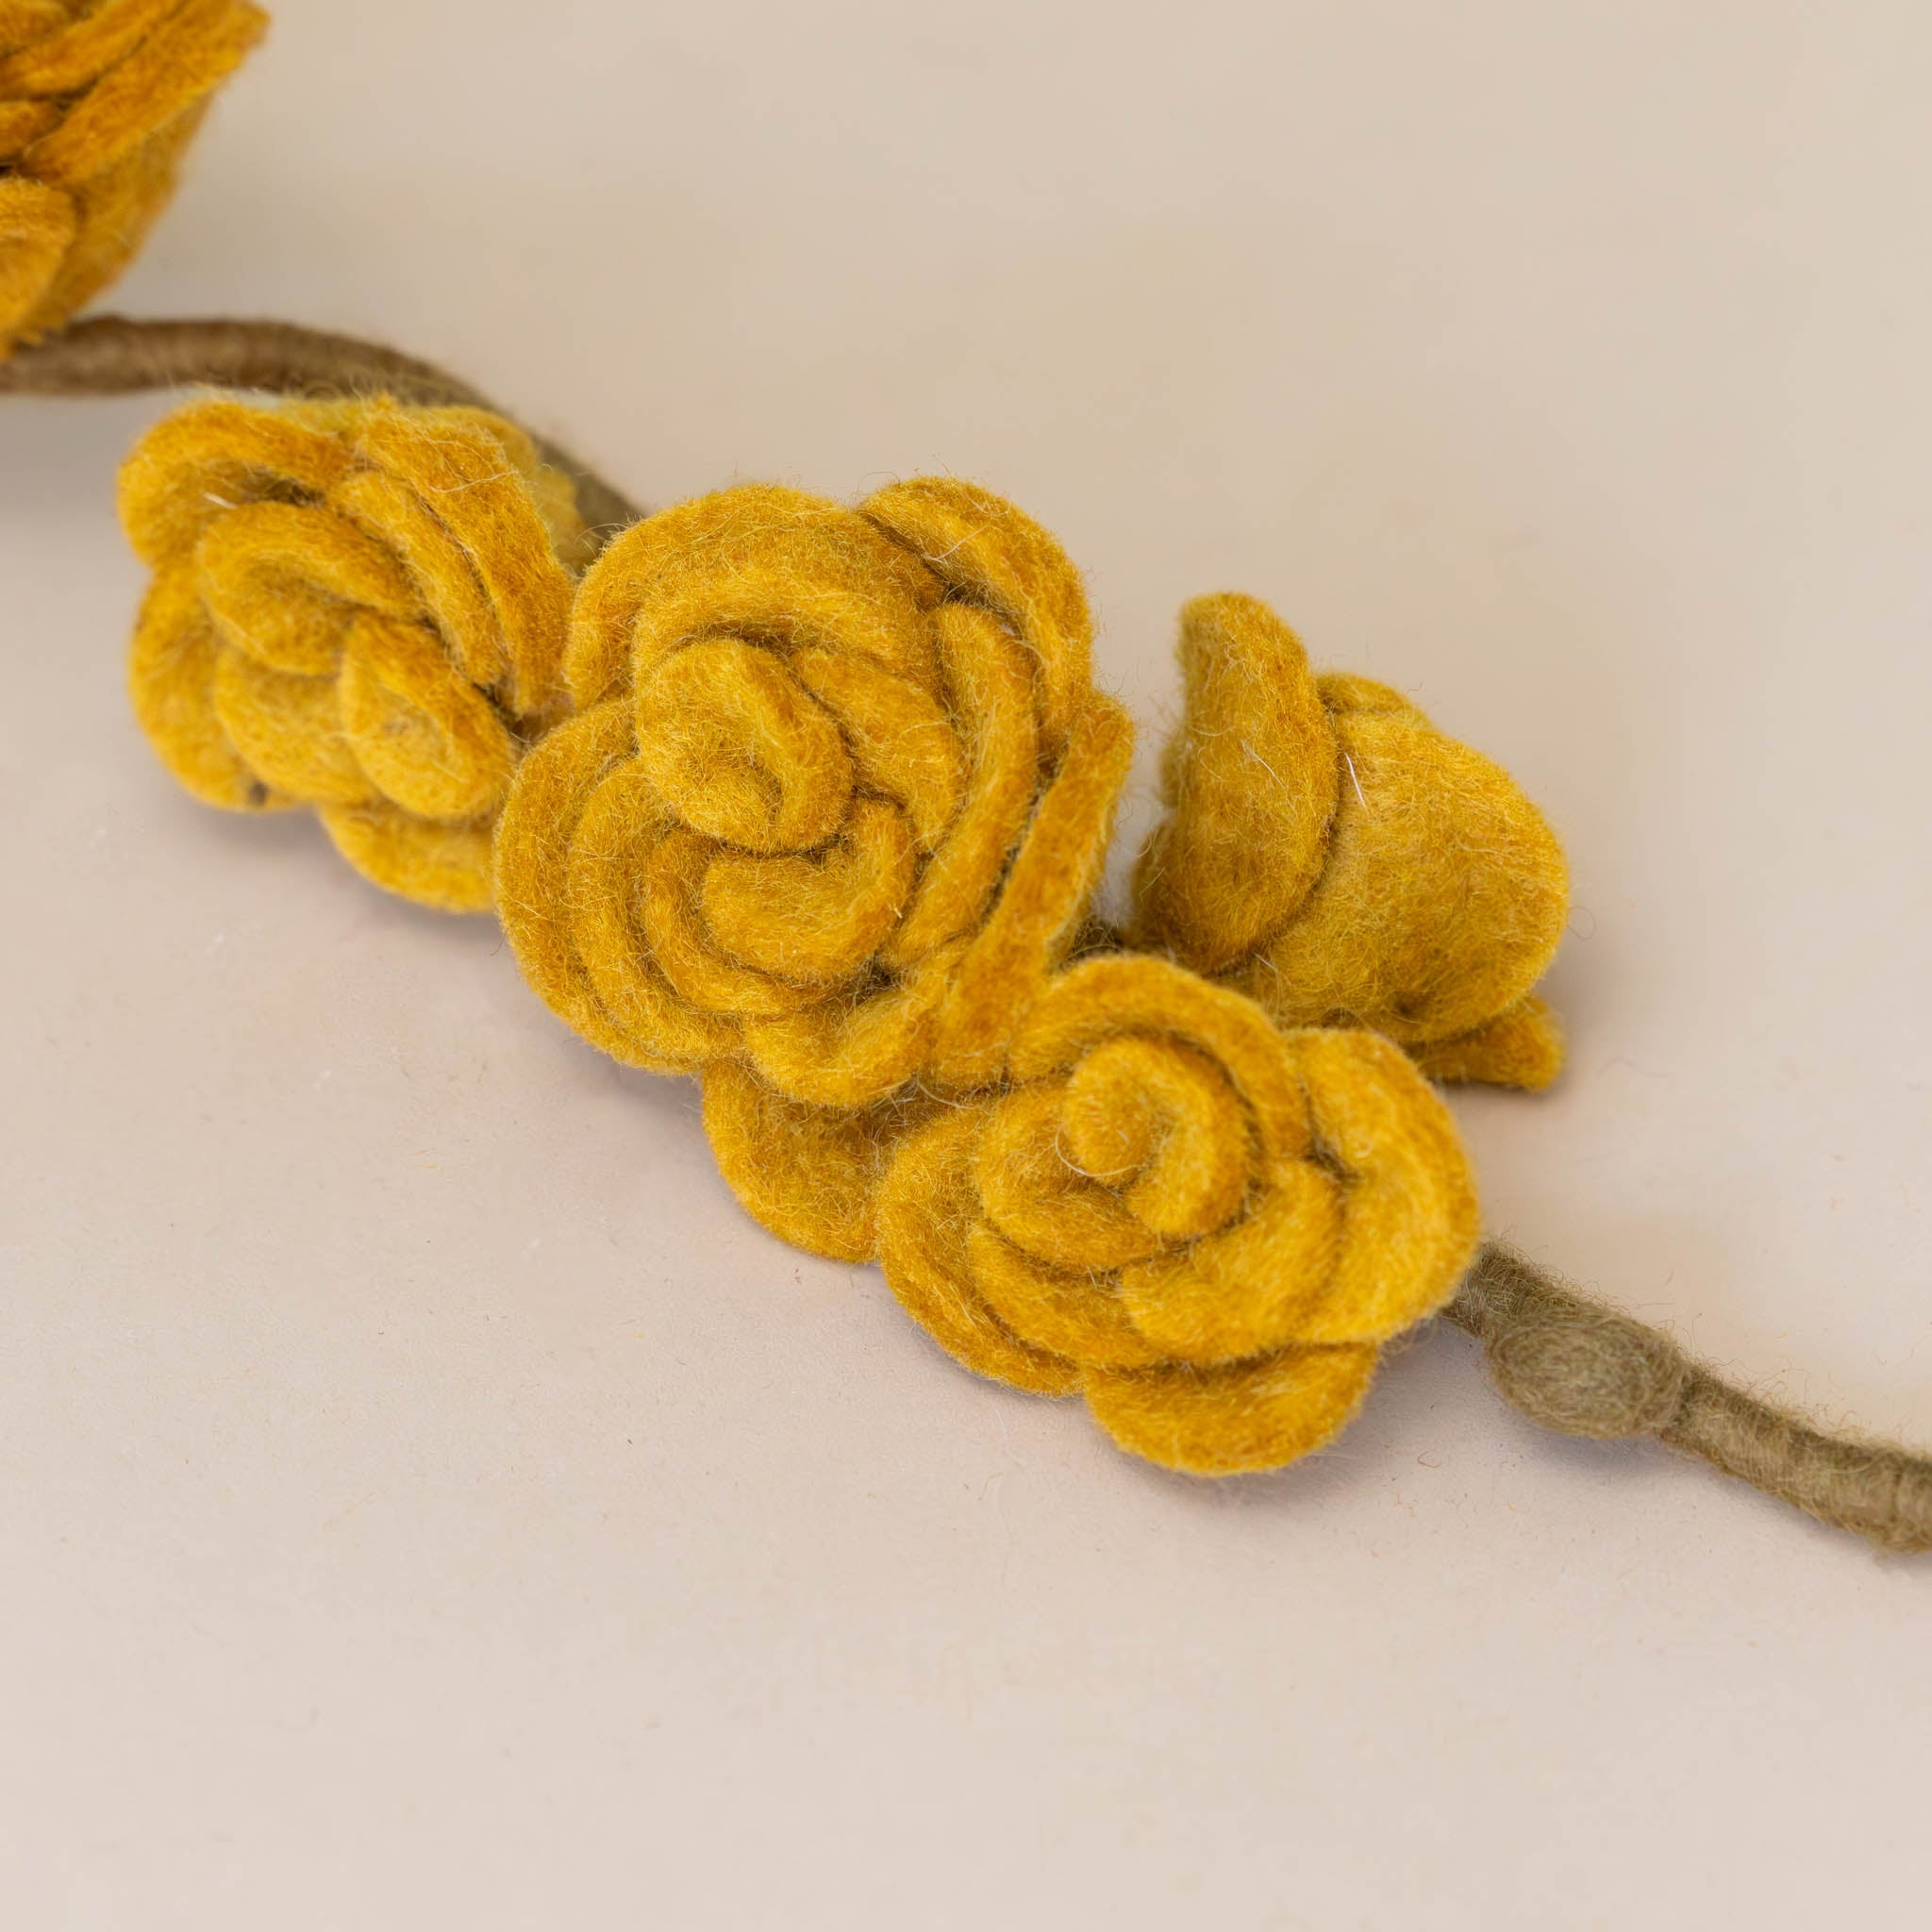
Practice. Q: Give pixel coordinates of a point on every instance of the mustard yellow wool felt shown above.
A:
(837, 797)
(1204, 1225)
(356, 607)
(1328, 851)
(809, 1173)
(1522, 1046)
(98, 101)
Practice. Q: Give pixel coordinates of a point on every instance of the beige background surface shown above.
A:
(428, 1502)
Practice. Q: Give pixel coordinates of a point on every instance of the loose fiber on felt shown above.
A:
(836, 799)
(1329, 852)
(1202, 1223)
(99, 102)
(356, 607)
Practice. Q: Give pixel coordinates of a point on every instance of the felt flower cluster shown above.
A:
(99, 102)
(356, 608)
(815, 802)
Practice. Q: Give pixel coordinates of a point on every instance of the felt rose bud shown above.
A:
(1203, 1225)
(356, 606)
(837, 797)
(1334, 855)
(98, 101)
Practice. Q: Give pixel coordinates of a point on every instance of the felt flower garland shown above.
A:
(813, 803)
(98, 101)
(1140, 1184)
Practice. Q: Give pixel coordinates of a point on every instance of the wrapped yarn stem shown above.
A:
(116, 355)
(1580, 1367)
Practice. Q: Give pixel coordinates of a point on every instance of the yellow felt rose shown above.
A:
(1203, 1225)
(98, 101)
(356, 607)
(837, 797)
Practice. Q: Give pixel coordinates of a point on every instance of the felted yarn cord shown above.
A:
(99, 102)
(836, 799)
(1331, 853)
(356, 607)
(1204, 1225)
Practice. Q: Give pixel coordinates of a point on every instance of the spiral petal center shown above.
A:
(1159, 1122)
(739, 752)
